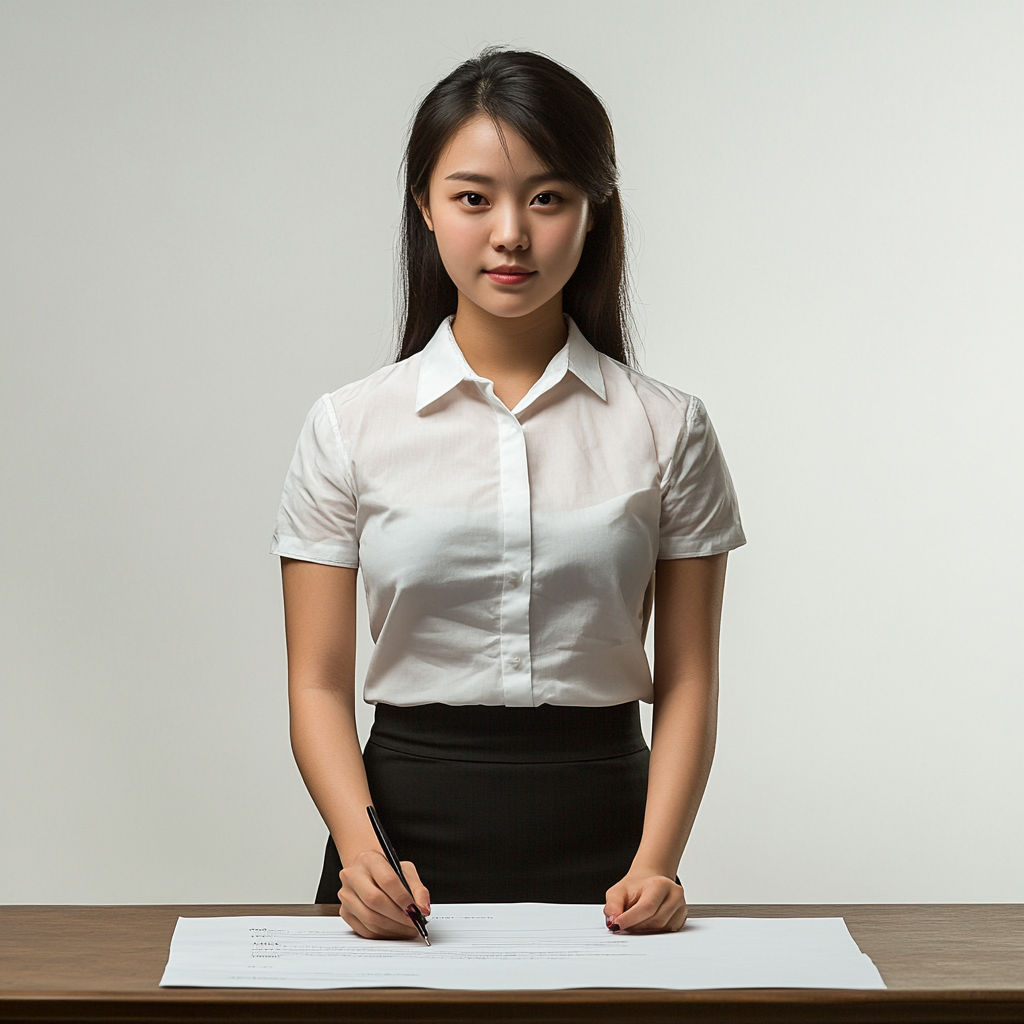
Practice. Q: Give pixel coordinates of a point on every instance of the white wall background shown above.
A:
(199, 202)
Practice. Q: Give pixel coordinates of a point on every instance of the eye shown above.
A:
(547, 199)
(472, 198)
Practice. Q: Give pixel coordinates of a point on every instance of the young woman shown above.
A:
(508, 488)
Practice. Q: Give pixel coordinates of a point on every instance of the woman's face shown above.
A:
(510, 234)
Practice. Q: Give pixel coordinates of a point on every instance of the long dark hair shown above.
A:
(567, 126)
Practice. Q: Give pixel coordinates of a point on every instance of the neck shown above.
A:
(510, 351)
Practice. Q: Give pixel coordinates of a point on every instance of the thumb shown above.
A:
(616, 900)
(420, 892)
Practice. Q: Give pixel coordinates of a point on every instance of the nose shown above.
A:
(509, 232)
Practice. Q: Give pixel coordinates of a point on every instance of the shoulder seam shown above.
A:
(683, 438)
(691, 412)
(333, 417)
(336, 428)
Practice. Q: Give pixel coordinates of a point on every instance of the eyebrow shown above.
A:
(483, 179)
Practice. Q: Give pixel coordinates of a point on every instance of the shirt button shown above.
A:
(515, 661)
(514, 579)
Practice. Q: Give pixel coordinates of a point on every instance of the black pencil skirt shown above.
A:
(507, 805)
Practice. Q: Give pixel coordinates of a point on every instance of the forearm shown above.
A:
(685, 722)
(687, 616)
(326, 748)
(320, 615)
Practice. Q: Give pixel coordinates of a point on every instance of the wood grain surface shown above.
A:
(940, 963)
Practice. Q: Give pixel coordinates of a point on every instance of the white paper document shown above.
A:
(518, 946)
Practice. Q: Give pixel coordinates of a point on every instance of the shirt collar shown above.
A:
(443, 366)
(585, 362)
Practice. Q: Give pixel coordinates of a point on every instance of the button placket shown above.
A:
(517, 677)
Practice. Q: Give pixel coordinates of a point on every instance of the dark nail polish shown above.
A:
(613, 927)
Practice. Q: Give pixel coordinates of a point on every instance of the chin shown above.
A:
(509, 310)
(511, 314)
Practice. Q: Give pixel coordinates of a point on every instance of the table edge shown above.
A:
(430, 995)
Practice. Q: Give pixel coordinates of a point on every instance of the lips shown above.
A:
(510, 274)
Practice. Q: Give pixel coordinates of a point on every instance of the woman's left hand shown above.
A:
(645, 902)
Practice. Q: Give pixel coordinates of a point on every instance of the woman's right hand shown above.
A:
(374, 903)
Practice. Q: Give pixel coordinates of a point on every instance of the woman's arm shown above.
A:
(320, 626)
(688, 613)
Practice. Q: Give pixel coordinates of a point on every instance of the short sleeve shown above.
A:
(316, 521)
(699, 512)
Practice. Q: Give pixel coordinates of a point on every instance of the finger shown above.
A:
(616, 901)
(646, 907)
(372, 880)
(366, 932)
(658, 922)
(388, 897)
(419, 891)
(361, 928)
(367, 922)
(381, 889)
(664, 918)
(678, 919)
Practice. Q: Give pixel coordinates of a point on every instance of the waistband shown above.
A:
(476, 732)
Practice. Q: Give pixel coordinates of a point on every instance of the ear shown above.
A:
(425, 210)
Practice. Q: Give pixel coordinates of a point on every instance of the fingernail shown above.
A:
(613, 927)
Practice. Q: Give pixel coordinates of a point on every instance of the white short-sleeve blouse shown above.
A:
(506, 553)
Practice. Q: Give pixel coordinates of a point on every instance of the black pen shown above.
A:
(389, 852)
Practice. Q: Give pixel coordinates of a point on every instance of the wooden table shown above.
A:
(941, 963)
